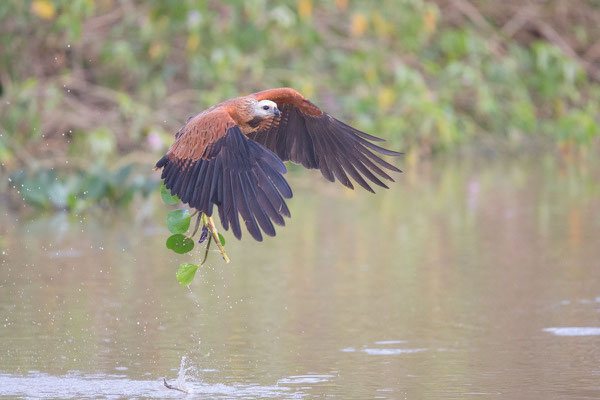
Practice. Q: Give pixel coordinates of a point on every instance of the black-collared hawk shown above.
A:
(231, 155)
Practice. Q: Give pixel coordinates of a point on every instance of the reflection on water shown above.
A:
(461, 281)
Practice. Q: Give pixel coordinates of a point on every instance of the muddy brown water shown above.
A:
(465, 280)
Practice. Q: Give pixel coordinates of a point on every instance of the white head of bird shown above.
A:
(265, 109)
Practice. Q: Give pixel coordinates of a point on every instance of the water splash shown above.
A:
(186, 370)
(77, 385)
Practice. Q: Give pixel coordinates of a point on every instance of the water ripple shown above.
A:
(574, 331)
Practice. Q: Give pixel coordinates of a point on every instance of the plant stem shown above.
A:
(173, 387)
(197, 223)
(206, 252)
(210, 224)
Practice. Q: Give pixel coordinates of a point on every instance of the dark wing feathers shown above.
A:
(238, 175)
(322, 142)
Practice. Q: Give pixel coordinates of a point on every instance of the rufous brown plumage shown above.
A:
(231, 155)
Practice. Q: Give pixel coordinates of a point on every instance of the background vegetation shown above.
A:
(90, 86)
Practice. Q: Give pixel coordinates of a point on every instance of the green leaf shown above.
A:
(186, 273)
(166, 196)
(179, 243)
(178, 221)
(222, 239)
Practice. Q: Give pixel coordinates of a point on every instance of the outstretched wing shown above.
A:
(212, 162)
(304, 134)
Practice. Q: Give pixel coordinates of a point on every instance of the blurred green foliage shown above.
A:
(79, 190)
(103, 78)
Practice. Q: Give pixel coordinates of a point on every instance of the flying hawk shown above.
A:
(231, 155)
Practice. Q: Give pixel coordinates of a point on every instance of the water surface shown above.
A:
(465, 280)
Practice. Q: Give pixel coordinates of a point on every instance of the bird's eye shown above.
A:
(265, 107)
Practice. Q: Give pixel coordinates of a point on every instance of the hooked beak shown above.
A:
(276, 111)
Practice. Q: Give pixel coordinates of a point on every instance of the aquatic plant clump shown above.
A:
(178, 223)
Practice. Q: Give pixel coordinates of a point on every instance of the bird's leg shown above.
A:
(210, 224)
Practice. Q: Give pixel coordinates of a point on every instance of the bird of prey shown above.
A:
(231, 155)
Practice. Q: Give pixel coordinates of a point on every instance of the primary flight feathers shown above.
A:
(231, 155)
